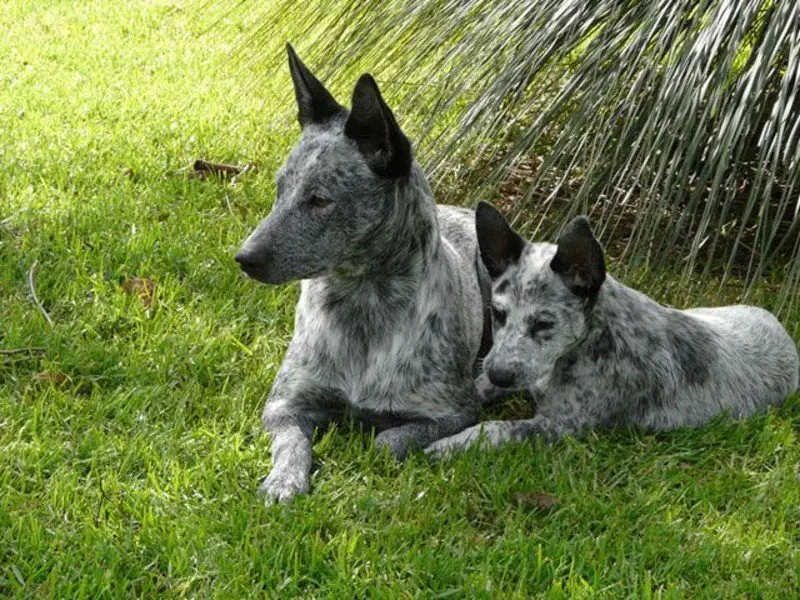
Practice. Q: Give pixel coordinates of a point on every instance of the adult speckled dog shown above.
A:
(391, 312)
(595, 353)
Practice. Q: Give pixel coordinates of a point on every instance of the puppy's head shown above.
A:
(540, 296)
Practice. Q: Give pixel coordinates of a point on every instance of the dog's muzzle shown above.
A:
(255, 264)
(502, 378)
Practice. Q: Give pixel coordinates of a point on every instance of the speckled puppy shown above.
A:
(595, 353)
(392, 304)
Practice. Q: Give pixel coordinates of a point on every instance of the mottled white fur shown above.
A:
(602, 355)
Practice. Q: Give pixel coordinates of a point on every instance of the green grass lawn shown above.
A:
(130, 447)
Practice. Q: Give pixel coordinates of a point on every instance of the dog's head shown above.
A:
(338, 181)
(540, 297)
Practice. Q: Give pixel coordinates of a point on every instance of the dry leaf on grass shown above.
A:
(53, 377)
(144, 288)
(540, 500)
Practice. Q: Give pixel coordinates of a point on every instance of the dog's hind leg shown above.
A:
(402, 439)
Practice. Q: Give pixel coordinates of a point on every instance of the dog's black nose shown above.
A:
(257, 264)
(503, 378)
(246, 259)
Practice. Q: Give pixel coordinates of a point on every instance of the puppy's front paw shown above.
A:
(455, 443)
(282, 486)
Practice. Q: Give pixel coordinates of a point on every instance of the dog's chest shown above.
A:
(403, 352)
(388, 371)
(375, 372)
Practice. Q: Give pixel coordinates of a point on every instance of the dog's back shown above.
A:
(669, 368)
(757, 364)
(457, 226)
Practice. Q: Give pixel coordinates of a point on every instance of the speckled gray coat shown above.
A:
(595, 353)
(393, 296)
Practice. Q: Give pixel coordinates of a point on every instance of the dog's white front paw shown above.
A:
(282, 486)
(455, 443)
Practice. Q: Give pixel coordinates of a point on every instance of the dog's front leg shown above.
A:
(419, 434)
(290, 421)
(291, 463)
(496, 433)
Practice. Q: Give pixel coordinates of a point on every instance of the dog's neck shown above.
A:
(609, 308)
(620, 307)
(395, 257)
(616, 321)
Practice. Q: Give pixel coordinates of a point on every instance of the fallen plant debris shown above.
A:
(203, 169)
(54, 377)
(535, 500)
(144, 288)
(32, 287)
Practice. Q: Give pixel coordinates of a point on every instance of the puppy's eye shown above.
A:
(318, 201)
(538, 325)
(499, 316)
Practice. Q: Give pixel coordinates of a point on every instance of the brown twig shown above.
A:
(35, 297)
(202, 168)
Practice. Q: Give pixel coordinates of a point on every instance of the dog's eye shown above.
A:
(318, 201)
(499, 316)
(538, 325)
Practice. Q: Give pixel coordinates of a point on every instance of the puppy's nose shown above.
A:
(246, 259)
(502, 378)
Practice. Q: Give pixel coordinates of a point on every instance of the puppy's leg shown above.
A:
(419, 434)
(496, 433)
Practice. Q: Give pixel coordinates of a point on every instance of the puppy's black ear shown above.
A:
(314, 103)
(500, 246)
(579, 259)
(374, 129)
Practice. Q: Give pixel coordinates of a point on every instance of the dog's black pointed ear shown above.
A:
(372, 126)
(579, 259)
(314, 103)
(500, 246)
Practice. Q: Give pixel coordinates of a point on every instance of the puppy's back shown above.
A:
(758, 360)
